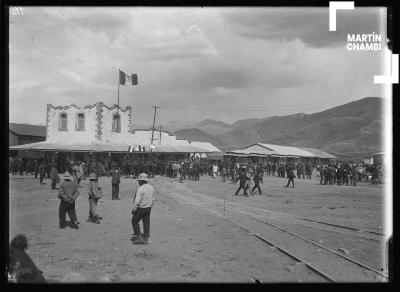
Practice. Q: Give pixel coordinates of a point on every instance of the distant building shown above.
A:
(20, 134)
(378, 158)
(77, 132)
(276, 153)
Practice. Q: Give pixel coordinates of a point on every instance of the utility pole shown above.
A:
(154, 120)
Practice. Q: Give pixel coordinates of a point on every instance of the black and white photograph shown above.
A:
(239, 144)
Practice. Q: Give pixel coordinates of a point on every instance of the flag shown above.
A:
(125, 79)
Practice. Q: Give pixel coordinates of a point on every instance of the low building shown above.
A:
(378, 158)
(19, 134)
(76, 133)
(262, 152)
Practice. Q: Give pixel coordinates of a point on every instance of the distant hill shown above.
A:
(210, 122)
(176, 124)
(195, 134)
(213, 127)
(350, 130)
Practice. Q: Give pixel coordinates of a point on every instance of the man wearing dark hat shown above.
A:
(95, 193)
(115, 180)
(67, 194)
(141, 209)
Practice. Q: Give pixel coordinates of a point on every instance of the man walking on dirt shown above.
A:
(141, 209)
(243, 179)
(257, 179)
(291, 176)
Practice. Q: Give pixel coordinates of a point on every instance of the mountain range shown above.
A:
(350, 130)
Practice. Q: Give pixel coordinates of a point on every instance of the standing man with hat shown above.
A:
(95, 193)
(291, 175)
(67, 194)
(42, 172)
(142, 204)
(54, 176)
(115, 180)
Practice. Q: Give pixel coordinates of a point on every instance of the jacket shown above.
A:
(243, 178)
(68, 191)
(54, 173)
(115, 176)
(144, 197)
(256, 178)
(94, 190)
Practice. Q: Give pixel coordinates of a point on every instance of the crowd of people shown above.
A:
(249, 175)
(193, 168)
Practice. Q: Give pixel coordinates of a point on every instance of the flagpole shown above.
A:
(119, 81)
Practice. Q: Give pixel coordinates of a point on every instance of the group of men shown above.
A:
(347, 173)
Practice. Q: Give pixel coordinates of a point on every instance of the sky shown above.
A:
(222, 63)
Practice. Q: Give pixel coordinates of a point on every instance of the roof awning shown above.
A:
(105, 147)
(236, 154)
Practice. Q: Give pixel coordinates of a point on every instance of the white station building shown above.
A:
(101, 130)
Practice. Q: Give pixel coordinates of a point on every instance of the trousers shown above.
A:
(115, 191)
(92, 207)
(257, 185)
(64, 209)
(241, 187)
(144, 215)
(290, 180)
(53, 183)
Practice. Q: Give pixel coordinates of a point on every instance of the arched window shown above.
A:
(63, 122)
(116, 124)
(80, 122)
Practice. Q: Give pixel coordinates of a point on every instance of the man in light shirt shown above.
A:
(141, 209)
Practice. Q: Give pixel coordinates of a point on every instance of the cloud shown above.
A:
(311, 25)
(184, 58)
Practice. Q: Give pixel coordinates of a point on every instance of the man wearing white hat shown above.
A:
(141, 209)
(67, 194)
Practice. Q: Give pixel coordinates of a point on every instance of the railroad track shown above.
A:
(326, 263)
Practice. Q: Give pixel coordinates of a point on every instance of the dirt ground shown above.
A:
(188, 243)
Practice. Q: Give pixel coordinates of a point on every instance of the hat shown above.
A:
(143, 176)
(92, 176)
(67, 176)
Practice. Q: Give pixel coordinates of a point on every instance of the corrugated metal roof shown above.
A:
(27, 129)
(287, 150)
(205, 145)
(281, 151)
(179, 149)
(106, 147)
(320, 153)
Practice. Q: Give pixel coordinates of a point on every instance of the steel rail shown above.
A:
(341, 226)
(296, 258)
(321, 246)
(305, 219)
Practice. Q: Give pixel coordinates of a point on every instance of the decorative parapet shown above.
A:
(49, 105)
(99, 120)
(66, 107)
